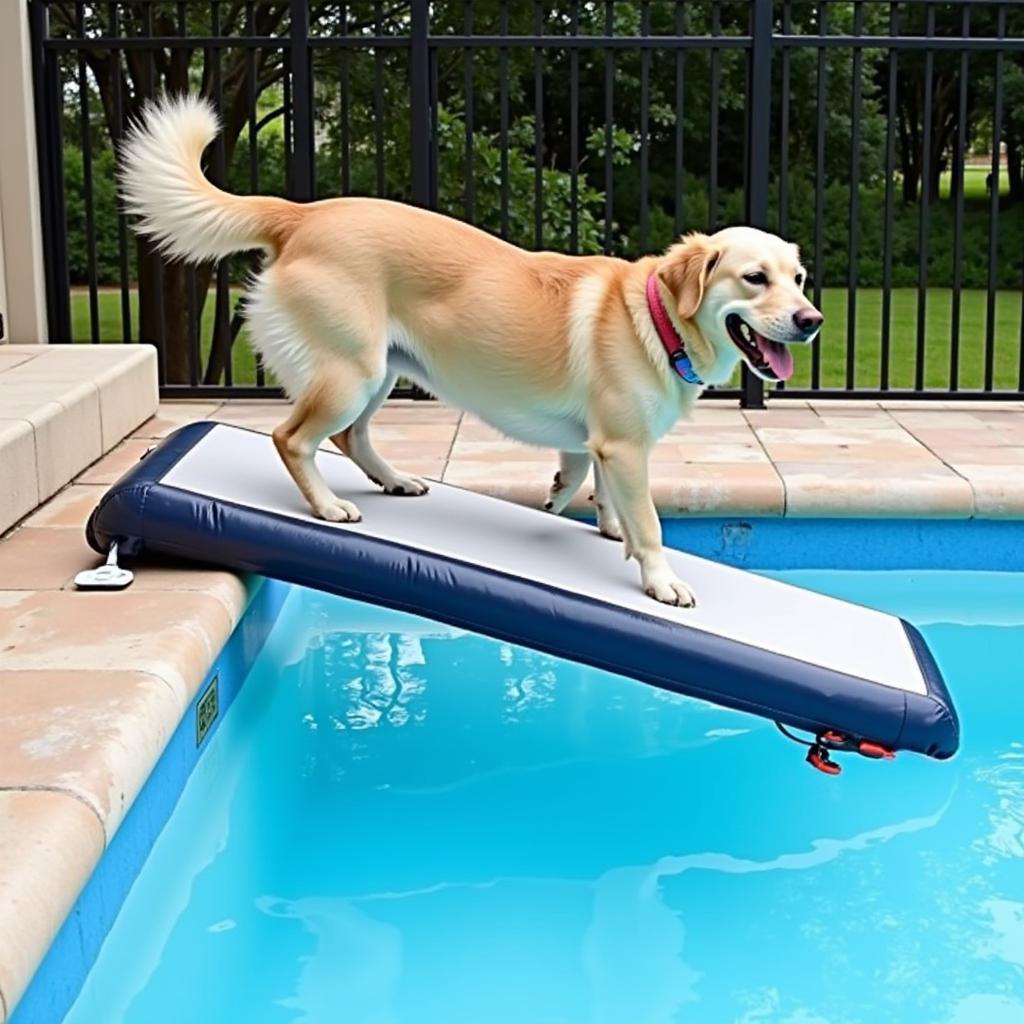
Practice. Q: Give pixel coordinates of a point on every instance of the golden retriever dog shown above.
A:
(595, 356)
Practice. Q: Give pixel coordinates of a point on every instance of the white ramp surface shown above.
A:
(220, 494)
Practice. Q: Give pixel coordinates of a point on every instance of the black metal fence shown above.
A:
(886, 138)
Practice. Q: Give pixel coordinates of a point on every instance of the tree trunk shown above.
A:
(163, 317)
(908, 150)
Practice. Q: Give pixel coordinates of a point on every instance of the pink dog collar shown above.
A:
(668, 334)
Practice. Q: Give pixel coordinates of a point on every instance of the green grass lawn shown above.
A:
(974, 182)
(832, 345)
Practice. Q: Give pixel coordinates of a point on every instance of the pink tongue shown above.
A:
(778, 357)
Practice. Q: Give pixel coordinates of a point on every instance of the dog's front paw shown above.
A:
(669, 589)
(405, 486)
(338, 510)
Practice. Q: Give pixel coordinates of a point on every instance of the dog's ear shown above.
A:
(685, 270)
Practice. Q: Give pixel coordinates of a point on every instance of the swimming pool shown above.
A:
(398, 823)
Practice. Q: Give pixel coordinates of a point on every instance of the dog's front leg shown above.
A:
(623, 468)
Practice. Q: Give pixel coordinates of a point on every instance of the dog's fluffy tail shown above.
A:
(162, 182)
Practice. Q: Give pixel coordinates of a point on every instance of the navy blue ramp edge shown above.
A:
(145, 515)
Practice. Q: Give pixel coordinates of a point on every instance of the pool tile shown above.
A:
(19, 492)
(473, 429)
(172, 415)
(706, 489)
(799, 417)
(885, 452)
(421, 433)
(968, 454)
(709, 433)
(49, 845)
(116, 463)
(937, 418)
(998, 490)
(875, 489)
(501, 451)
(128, 393)
(67, 426)
(43, 558)
(412, 411)
(70, 508)
(712, 413)
(95, 735)
(698, 450)
(526, 483)
(226, 587)
(940, 440)
(172, 634)
(9, 359)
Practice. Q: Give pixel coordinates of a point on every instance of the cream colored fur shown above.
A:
(552, 350)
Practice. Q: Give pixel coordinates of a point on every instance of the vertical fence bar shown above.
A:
(419, 101)
(993, 208)
(716, 82)
(819, 187)
(344, 89)
(254, 163)
(538, 130)
(221, 342)
(609, 127)
(1020, 344)
(680, 170)
(194, 328)
(887, 229)
(378, 103)
(286, 120)
(299, 56)
(122, 227)
(503, 126)
(853, 267)
(48, 103)
(85, 135)
(467, 86)
(574, 132)
(645, 127)
(156, 262)
(921, 355)
(759, 116)
(786, 74)
(435, 107)
(956, 185)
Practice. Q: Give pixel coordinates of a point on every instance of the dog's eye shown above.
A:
(756, 278)
(799, 280)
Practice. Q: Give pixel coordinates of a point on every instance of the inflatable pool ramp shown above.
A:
(853, 678)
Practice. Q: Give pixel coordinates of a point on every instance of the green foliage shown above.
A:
(832, 266)
(104, 196)
(556, 188)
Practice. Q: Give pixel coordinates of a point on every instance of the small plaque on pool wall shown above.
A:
(207, 709)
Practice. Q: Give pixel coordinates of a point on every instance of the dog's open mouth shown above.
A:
(769, 359)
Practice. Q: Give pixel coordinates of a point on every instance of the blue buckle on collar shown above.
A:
(682, 365)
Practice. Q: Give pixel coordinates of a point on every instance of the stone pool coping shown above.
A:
(93, 685)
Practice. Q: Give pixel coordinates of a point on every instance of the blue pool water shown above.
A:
(400, 824)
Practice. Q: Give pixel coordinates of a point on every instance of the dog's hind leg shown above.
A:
(339, 394)
(607, 520)
(355, 442)
(572, 471)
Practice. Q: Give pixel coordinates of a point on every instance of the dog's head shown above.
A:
(742, 289)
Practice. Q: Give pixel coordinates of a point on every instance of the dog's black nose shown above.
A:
(807, 319)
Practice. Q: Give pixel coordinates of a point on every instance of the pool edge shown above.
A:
(60, 974)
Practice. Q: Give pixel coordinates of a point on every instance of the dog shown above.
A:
(595, 356)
